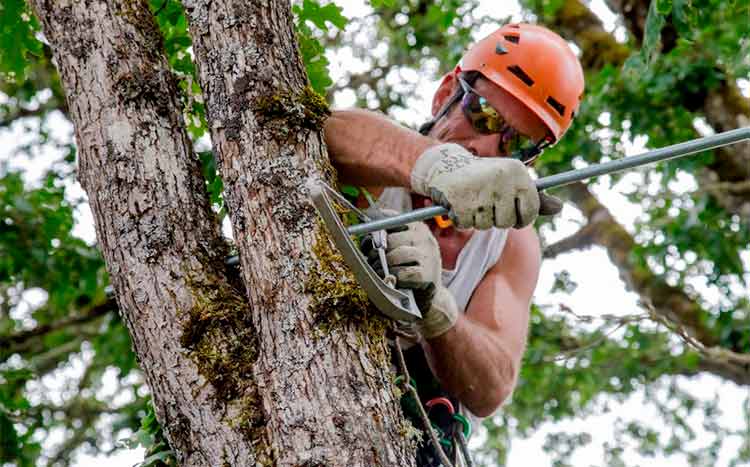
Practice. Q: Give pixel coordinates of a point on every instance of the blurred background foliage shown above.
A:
(668, 71)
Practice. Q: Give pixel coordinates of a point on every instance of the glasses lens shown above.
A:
(514, 141)
(486, 120)
(483, 117)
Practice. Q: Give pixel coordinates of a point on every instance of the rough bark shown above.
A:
(325, 382)
(154, 224)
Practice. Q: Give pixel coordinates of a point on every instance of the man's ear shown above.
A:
(444, 91)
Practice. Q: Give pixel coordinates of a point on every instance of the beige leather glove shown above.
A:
(480, 192)
(413, 256)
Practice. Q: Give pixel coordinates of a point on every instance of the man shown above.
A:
(514, 93)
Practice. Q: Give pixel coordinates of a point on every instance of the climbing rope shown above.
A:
(422, 414)
(459, 436)
(464, 449)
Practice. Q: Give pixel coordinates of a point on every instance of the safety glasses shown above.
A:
(486, 120)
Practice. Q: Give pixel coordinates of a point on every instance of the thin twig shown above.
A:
(715, 353)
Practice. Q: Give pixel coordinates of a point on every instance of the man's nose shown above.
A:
(486, 145)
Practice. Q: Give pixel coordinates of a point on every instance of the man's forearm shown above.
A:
(368, 149)
(472, 364)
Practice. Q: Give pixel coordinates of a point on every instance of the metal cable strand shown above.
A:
(422, 413)
(341, 199)
(464, 448)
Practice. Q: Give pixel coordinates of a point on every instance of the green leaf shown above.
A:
(18, 27)
(651, 37)
(313, 53)
(160, 457)
(663, 7)
(382, 3)
(313, 12)
(350, 190)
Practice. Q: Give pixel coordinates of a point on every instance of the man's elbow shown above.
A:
(496, 394)
(491, 403)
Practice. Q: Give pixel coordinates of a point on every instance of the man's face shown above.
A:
(456, 128)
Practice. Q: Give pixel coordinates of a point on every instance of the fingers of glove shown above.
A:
(423, 293)
(424, 289)
(484, 218)
(549, 205)
(407, 276)
(505, 213)
(463, 218)
(527, 208)
(405, 255)
(441, 316)
(417, 233)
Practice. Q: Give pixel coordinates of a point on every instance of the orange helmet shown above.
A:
(536, 66)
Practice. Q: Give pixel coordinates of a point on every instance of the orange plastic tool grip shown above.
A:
(443, 222)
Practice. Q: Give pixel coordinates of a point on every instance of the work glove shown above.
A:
(413, 256)
(480, 192)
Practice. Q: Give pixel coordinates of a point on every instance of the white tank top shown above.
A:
(480, 253)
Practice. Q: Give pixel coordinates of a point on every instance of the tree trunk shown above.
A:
(322, 363)
(154, 224)
(297, 375)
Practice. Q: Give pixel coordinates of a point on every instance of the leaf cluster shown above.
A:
(314, 21)
(151, 437)
(17, 39)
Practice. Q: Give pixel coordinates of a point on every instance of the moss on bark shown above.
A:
(221, 339)
(306, 110)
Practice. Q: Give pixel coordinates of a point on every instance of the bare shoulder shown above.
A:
(501, 301)
(520, 261)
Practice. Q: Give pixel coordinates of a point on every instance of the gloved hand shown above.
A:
(413, 256)
(480, 192)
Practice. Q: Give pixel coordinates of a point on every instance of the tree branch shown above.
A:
(580, 240)
(668, 301)
(24, 112)
(724, 107)
(718, 361)
(576, 22)
(736, 188)
(15, 343)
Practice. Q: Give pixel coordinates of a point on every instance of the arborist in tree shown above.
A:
(513, 94)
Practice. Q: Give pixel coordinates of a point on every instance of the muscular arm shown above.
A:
(479, 358)
(369, 149)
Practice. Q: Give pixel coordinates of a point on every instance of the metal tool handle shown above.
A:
(657, 155)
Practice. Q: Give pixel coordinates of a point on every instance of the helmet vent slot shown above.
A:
(556, 105)
(512, 38)
(500, 49)
(520, 74)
